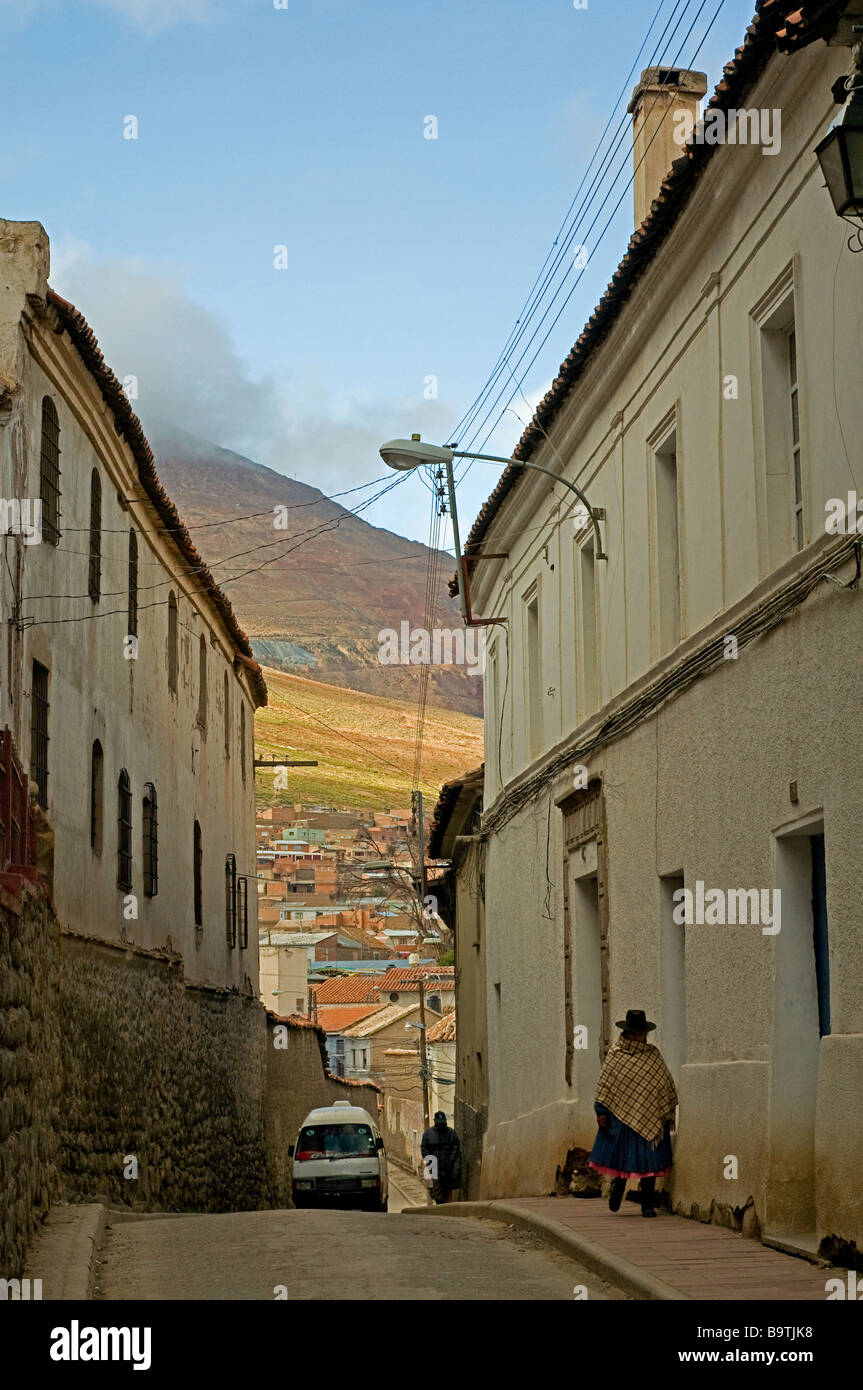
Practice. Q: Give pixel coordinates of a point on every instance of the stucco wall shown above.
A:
(702, 788)
(698, 790)
(94, 690)
(297, 1082)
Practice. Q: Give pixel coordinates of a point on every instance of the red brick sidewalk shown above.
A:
(699, 1260)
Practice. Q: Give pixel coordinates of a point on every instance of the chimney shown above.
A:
(659, 133)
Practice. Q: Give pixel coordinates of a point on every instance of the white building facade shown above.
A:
(684, 711)
(129, 688)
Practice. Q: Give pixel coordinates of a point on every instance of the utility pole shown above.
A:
(424, 1055)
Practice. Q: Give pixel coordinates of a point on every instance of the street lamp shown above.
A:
(840, 153)
(405, 454)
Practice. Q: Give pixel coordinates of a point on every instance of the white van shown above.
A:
(339, 1159)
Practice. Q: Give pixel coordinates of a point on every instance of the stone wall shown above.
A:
(297, 1082)
(160, 1072)
(30, 1080)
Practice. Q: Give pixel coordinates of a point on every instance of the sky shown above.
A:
(308, 226)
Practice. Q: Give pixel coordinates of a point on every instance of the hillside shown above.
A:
(363, 743)
(320, 591)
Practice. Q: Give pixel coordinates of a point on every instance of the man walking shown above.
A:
(441, 1153)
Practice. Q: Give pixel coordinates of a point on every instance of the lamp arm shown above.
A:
(538, 468)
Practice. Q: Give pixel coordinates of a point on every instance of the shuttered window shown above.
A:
(49, 472)
(94, 582)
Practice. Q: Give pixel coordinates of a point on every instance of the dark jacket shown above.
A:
(443, 1144)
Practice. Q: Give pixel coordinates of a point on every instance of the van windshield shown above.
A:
(335, 1141)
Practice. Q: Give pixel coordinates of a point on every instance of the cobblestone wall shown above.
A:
(297, 1082)
(159, 1080)
(29, 1074)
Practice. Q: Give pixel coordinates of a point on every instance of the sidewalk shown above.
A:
(669, 1258)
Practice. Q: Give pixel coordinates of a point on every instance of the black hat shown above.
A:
(439, 1115)
(636, 1021)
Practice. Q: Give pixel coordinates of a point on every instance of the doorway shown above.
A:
(801, 1017)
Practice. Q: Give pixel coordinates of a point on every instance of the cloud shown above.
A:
(153, 16)
(188, 374)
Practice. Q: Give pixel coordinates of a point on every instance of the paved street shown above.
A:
(332, 1255)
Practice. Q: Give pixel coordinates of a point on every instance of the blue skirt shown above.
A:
(621, 1153)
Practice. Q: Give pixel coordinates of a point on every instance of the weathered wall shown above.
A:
(170, 1074)
(471, 1088)
(296, 1082)
(29, 1075)
(403, 1127)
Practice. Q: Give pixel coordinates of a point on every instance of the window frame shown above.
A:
(150, 839)
(97, 796)
(198, 874)
(49, 472)
(124, 831)
(94, 572)
(40, 739)
(132, 612)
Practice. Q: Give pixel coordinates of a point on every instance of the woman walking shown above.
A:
(635, 1105)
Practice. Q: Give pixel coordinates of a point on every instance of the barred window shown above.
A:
(97, 765)
(49, 472)
(150, 825)
(198, 862)
(94, 583)
(39, 732)
(227, 690)
(132, 620)
(173, 647)
(231, 899)
(202, 681)
(243, 911)
(124, 831)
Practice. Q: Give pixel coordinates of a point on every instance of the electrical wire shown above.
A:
(607, 196)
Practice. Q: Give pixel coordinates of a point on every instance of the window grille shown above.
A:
(132, 621)
(243, 911)
(97, 763)
(173, 647)
(202, 681)
(151, 841)
(49, 472)
(124, 831)
(231, 899)
(94, 583)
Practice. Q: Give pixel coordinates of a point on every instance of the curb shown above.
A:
(628, 1277)
(64, 1250)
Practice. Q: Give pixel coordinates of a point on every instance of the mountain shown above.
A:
(313, 597)
(364, 745)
